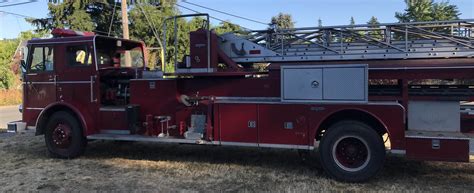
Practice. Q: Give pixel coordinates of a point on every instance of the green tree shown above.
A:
(283, 21)
(9, 61)
(374, 23)
(141, 28)
(320, 22)
(427, 10)
(7, 49)
(81, 15)
(352, 21)
(348, 37)
(226, 26)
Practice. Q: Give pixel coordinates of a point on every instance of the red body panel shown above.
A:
(234, 123)
(198, 42)
(449, 150)
(271, 124)
(113, 120)
(155, 97)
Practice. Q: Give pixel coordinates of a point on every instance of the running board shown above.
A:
(142, 138)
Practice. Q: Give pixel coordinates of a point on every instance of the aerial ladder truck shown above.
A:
(354, 93)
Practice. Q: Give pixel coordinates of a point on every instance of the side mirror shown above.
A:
(24, 54)
(23, 66)
(23, 69)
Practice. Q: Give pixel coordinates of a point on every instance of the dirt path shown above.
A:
(112, 166)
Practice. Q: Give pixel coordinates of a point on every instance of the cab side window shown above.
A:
(42, 59)
(78, 56)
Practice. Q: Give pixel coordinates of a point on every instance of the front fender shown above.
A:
(81, 113)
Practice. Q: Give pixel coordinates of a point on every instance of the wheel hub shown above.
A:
(62, 135)
(351, 153)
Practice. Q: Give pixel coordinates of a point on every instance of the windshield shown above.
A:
(118, 53)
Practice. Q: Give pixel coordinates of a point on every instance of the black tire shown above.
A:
(351, 151)
(61, 145)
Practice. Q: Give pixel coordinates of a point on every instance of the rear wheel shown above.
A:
(351, 151)
(64, 137)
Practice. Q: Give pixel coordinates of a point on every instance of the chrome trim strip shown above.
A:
(248, 98)
(151, 79)
(34, 108)
(471, 147)
(285, 146)
(95, 54)
(119, 137)
(59, 82)
(92, 88)
(242, 144)
(398, 151)
(119, 132)
(39, 83)
(423, 68)
(436, 137)
(264, 145)
(73, 82)
(112, 109)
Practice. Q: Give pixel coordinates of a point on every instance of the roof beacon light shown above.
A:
(58, 32)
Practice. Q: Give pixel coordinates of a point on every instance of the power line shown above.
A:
(22, 3)
(112, 19)
(237, 16)
(221, 20)
(16, 14)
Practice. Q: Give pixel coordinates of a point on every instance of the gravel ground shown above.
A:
(148, 167)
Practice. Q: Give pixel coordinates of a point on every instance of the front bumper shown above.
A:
(16, 126)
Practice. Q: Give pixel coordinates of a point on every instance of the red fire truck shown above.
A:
(344, 90)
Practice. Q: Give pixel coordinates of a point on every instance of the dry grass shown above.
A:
(112, 166)
(10, 97)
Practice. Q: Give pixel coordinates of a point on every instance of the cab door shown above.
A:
(40, 79)
(77, 82)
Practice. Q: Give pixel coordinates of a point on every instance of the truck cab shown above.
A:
(80, 74)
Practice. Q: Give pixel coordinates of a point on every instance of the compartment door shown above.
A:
(238, 124)
(302, 84)
(282, 125)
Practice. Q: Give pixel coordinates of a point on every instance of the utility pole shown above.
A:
(128, 59)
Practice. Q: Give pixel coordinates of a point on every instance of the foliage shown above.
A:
(427, 10)
(226, 26)
(7, 49)
(352, 21)
(350, 38)
(283, 21)
(9, 61)
(83, 15)
(140, 29)
(374, 23)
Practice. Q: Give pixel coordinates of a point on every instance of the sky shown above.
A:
(304, 12)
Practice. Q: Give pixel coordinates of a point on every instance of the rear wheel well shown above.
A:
(43, 120)
(355, 115)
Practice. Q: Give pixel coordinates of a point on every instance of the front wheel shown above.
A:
(351, 151)
(64, 137)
